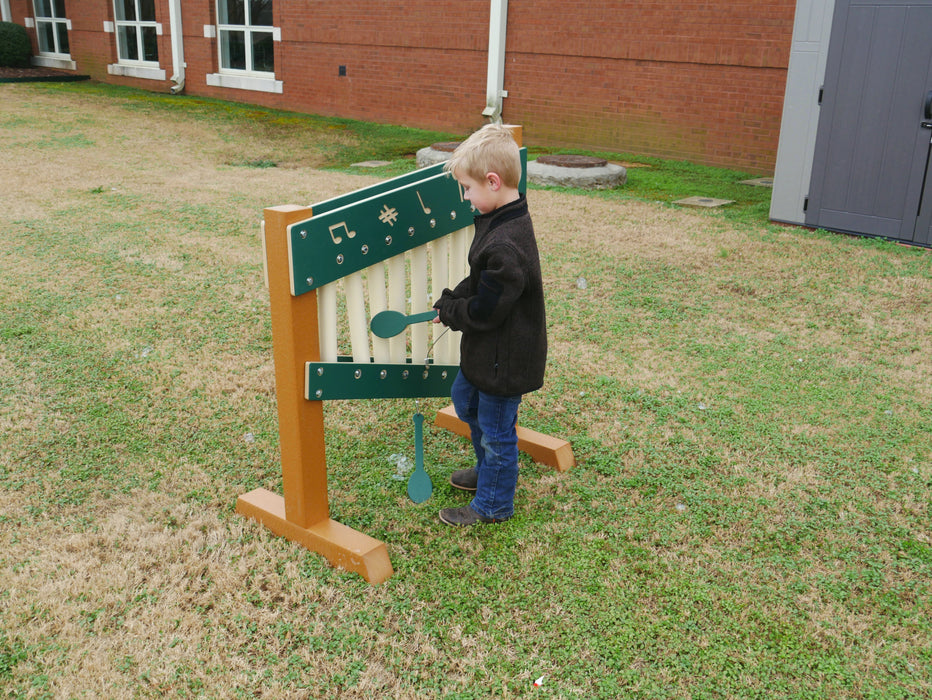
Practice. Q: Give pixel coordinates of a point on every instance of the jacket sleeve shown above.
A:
(501, 282)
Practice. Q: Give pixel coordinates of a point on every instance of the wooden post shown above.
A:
(303, 514)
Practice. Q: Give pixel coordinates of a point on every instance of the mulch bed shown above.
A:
(37, 74)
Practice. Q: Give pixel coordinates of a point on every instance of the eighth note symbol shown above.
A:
(338, 239)
(426, 209)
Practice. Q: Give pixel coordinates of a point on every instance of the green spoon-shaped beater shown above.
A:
(387, 324)
(419, 485)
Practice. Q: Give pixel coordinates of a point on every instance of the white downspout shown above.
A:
(174, 20)
(495, 83)
(5, 15)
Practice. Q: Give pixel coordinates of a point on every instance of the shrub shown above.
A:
(15, 48)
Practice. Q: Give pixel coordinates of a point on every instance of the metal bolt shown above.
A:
(404, 374)
(433, 223)
(388, 240)
(303, 233)
(443, 374)
(358, 374)
(319, 393)
(410, 230)
(383, 374)
(452, 216)
(310, 281)
(365, 250)
(340, 259)
(425, 374)
(320, 371)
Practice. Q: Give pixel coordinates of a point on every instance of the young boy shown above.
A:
(500, 310)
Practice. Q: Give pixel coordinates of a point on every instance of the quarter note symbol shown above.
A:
(336, 227)
(426, 209)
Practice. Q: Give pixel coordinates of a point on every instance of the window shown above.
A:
(246, 36)
(136, 31)
(246, 46)
(52, 28)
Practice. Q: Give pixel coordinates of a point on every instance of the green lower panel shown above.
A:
(328, 381)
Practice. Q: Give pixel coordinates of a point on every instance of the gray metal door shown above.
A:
(870, 171)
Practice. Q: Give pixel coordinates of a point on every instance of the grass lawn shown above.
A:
(749, 405)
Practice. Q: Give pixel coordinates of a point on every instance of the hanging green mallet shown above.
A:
(419, 485)
(387, 324)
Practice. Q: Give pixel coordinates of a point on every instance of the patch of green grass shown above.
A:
(649, 179)
(748, 406)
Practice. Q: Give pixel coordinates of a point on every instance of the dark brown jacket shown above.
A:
(500, 306)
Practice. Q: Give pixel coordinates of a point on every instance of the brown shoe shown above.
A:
(464, 516)
(464, 479)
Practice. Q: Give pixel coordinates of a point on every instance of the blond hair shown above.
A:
(492, 149)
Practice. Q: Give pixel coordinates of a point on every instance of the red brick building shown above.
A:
(698, 81)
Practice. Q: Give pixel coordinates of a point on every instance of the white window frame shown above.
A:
(138, 67)
(57, 57)
(247, 78)
(135, 26)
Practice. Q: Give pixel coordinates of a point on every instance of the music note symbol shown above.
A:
(339, 239)
(426, 209)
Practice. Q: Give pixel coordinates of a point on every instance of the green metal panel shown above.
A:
(352, 232)
(333, 245)
(327, 381)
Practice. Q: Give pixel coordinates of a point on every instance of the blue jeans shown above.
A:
(492, 422)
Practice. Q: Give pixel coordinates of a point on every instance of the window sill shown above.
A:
(244, 82)
(136, 72)
(49, 62)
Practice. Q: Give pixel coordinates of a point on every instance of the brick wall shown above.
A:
(699, 81)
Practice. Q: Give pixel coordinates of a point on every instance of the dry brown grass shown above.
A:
(130, 242)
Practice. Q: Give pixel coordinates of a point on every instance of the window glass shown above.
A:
(62, 30)
(43, 8)
(233, 50)
(59, 6)
(232, 12)
(46, 36)
(129, 50)
(150, 44)
(126, 10)
(263, 57)
(260, 12)
(147, 10)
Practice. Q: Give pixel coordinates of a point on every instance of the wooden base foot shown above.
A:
(342, 546)
(542, 448)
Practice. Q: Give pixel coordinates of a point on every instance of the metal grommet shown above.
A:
(365, 250)
(383, 374)
(358, 374)
(340, 259)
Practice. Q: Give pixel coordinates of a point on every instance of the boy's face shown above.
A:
(482, 194)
